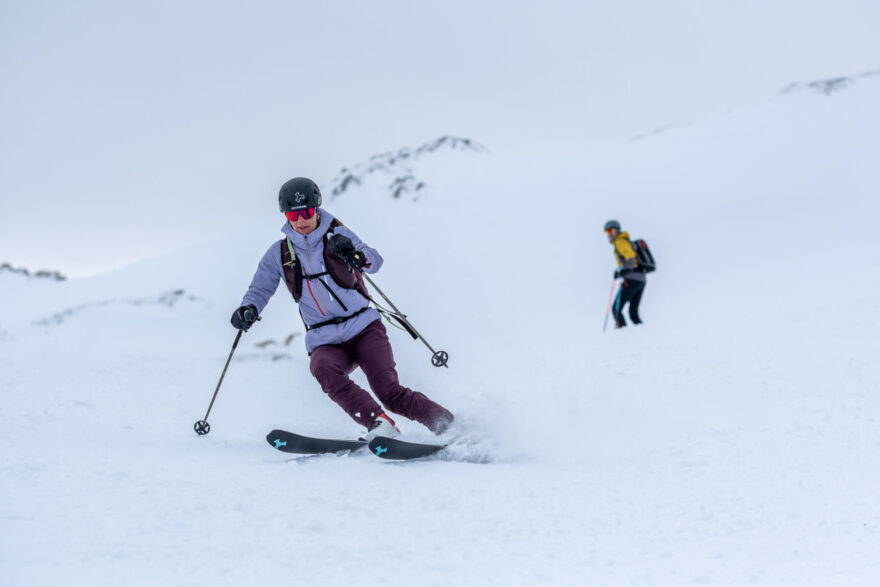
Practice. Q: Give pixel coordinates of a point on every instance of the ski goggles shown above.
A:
(610, 230)
(294, 214)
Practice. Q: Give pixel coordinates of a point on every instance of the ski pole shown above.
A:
(610, 299)
(202, 427)
(438, 358)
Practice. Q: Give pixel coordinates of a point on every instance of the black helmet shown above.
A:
(612, 224)
(299, 193)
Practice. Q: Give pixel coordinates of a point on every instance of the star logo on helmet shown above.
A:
(299, 197)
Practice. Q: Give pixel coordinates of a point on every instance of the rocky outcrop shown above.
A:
(830, 86)
(41, 274)
(398, 166)
(169, 299)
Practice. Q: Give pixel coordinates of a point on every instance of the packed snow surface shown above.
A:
(733, 438)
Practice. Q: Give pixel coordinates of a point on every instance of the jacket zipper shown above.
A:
(308, 285)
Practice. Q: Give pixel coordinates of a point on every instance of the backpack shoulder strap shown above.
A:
(291, 269)
(292, 261)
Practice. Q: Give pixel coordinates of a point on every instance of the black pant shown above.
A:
(630, 293)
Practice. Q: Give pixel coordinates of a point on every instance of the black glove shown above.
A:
(244, 317)
(342, 246)
(618, 273)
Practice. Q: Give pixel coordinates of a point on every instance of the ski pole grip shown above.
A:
(406, 326)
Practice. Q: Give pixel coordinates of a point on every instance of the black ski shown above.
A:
(306, 445)
(391, 448)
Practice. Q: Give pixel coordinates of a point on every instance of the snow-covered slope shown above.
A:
(730, 439)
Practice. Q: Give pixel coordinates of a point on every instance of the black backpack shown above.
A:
(643, 256)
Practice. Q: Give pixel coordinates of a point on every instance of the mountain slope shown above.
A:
(726, 440)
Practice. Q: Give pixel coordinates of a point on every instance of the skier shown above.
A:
(627, 268)
(320, 261)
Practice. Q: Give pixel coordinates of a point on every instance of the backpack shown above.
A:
(335, 267)
(643, 256)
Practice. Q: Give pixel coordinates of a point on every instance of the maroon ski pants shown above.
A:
(371, 351)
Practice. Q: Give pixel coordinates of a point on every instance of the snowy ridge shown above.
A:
(41, 274)
(660, 130)
(831, 86)
(825, 87)
(169, 299)
(399, 165)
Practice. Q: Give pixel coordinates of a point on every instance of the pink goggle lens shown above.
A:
(294, 214)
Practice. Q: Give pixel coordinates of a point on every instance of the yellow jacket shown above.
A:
(624, 253)
(626, 258)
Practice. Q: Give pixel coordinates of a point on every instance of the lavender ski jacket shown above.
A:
(316, 304)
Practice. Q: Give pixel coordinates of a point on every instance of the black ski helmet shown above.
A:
(299, 193)
(612, 224)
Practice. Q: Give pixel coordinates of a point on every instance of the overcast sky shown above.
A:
(133, 128)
